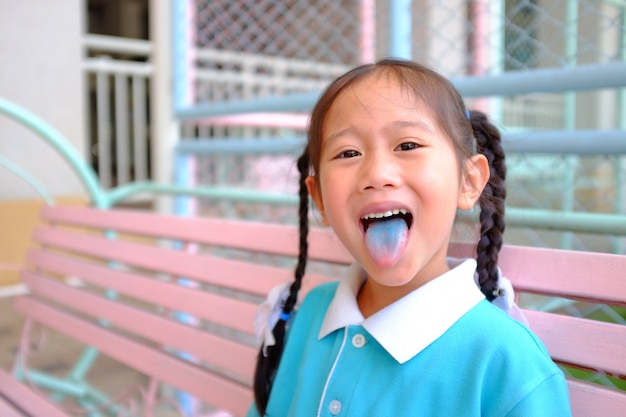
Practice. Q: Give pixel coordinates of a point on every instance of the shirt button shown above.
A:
(358, 340)
(334, 407)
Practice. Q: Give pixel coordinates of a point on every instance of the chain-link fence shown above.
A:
(248, 49)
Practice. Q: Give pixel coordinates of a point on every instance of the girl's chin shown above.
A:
(389, 276)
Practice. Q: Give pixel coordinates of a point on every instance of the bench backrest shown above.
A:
(193, 285)
(150, 276)
(577, 279)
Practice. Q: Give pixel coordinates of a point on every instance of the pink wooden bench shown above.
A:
(126, 287)
(18, 400)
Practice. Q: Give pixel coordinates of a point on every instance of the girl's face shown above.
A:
(389, 183)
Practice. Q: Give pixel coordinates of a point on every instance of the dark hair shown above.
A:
(469, 132)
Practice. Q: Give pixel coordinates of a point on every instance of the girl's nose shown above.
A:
(379, 171)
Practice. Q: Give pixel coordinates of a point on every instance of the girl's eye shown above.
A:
(407, 146)
(347, 154)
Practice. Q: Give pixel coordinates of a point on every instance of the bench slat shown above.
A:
(234, 357)
(223, 393)
(25, 399)
(252, 278)
(268, 238)
(176, 297)
(581, 342)
(167, 294)
(591, 400)
(570, 272)
(523, 265)
(145, 261)
(7, 410)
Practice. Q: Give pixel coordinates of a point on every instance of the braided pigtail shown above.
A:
(269, 357)
(491, 204)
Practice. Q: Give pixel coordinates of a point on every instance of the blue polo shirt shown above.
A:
(442, 350)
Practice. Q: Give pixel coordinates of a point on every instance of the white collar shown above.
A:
(407, 327)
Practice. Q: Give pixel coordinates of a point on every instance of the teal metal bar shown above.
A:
(550, 80)
(241, 146)
(32, 181)
(97, 400)
(562, 221)
(53, 383)
(84, 364)
(576, 142)
(595, 223)
(88, 405)
(60, 144)
(294, 103)
(219, 193)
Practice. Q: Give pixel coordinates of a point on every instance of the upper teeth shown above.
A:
(387, 213)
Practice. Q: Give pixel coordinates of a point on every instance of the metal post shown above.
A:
(619, 243)
(400, 29)
(104, 131)
(569, 115)
(368, 31)
(164, 131)
(497, 14)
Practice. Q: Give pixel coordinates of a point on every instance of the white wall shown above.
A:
(40, 69)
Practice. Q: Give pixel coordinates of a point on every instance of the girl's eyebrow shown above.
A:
(395, 125)
(342, 132)
(400, 124)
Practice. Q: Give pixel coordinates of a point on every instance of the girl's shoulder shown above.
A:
(320, 296)
(494, 327)
(317, 300)
(514, 360)
(309, 315)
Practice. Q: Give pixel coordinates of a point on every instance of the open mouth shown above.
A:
(386, 235)
(368, 219)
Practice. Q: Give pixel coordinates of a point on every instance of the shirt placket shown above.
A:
(342, 380)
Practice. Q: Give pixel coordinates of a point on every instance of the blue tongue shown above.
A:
(386, 239)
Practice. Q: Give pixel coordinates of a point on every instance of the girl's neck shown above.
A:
(371, 300)
(373, 297)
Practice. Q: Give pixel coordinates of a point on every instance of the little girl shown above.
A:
(392, 154)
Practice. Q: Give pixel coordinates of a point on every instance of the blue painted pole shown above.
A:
(181, 22)
(400, 29)
(180, 70)
(182, 207)
(619, 243)
(568, 199)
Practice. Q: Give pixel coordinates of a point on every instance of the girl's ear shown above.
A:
(474, 179)
(314, 192)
